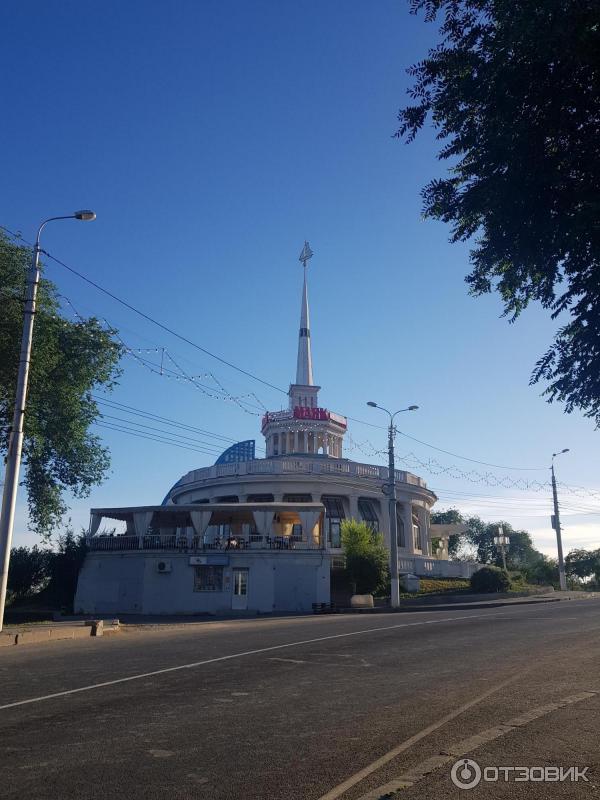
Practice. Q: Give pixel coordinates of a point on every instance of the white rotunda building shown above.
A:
(260, 534)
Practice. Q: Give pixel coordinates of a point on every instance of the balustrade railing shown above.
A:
(170, 542)
(278, 466)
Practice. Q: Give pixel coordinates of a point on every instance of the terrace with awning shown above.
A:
(209, 526)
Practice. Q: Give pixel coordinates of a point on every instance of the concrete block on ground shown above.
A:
(97, 626)
(410, 583)
(361, 601)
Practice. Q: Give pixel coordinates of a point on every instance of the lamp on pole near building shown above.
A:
(501, 540)
(15, 442)
(391, 493)
(556, 525)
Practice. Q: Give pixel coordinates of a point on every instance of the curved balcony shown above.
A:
(297, 465)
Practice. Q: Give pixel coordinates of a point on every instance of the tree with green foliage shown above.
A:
(29, 571)
(584, 564)
(366, 557)
(69, 361)
(64, 568)
(513, 91)
(51, 575)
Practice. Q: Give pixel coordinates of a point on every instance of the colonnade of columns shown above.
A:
(308, 442)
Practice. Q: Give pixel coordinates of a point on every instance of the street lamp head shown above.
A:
(372, 404)
(560, 452)
(85, 214)
(413, 408)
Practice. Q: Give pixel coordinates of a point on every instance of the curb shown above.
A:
(43, 635)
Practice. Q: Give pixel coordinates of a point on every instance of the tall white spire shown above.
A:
(304, 373)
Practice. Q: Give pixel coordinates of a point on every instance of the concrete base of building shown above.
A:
(241, 581)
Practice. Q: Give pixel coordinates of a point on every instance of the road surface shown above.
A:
(300, 708)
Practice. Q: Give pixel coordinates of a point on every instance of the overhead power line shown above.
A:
(430, 465)
(214, 449)
(151, 319)
(114, 405)
(151, 437)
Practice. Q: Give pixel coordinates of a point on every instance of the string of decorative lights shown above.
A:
(169, 373)
(430, 465)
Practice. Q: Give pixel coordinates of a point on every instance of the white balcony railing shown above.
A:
(301, 466)
(171, 542)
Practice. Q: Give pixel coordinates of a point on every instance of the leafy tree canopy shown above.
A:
(513, 90)
(583, 563)
(366, 557)
(69, 361)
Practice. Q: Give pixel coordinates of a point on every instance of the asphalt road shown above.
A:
(286, 708)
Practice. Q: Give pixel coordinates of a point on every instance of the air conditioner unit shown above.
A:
(163, 566)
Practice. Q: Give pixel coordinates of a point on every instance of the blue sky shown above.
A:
(212, 138)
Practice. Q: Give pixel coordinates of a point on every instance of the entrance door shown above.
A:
(239, 600)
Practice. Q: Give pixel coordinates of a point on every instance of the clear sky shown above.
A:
(212, 138)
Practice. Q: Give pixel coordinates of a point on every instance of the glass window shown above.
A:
(400, 522)
(297, 498)
(208, 578)
(368, 515)
(297, 532)
(416, 526)
(334, 514)
(260, 498)
(240, 582)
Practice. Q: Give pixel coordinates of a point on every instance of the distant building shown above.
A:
(259, 534)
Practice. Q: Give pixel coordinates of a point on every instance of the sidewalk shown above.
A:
(44, 632)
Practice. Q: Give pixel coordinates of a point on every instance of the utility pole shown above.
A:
(15, 442)
(391, 493)
(556, 525)
(394, 576)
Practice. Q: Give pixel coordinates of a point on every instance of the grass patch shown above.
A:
(434, 586)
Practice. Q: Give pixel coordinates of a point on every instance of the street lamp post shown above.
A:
(15, 442)
(501, 540)
(556, 525)
(391, 492)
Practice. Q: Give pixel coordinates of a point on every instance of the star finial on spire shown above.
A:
(306, 253)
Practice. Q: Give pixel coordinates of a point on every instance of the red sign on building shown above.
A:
(304, 412)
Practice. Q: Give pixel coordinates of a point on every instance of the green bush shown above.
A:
(490, 579)
(366, 557)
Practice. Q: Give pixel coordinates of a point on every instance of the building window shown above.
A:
(260, 498)
(400, 523)
(208, 578)
(297, 498)
(296, 532)
(368, 515)
(229, 498)
(416, 526)
(275, 444)
(334, 514)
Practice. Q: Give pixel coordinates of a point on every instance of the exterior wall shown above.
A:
(129, 583)
(350, 487)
